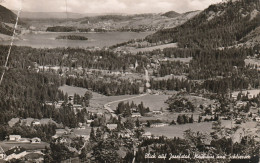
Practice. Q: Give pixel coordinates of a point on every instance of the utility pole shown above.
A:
(231, 134)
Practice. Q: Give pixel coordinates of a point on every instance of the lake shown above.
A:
(47, 39)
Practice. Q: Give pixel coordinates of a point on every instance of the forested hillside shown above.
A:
(6, 16)
(220, 25)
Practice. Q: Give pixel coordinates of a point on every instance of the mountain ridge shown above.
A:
(220, 25)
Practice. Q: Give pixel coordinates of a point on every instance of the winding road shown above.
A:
(106, 106)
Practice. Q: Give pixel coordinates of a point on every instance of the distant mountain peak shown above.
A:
(171, 14)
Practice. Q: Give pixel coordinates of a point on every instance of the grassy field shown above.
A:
(196, 100)
(136, 50)
(154, 102)
(248, 128)
(107, 99)
(252, 61)
(184, 60)
(80, 91)
(6, 145)
(169, 77)
(253, 92)
(177, 130)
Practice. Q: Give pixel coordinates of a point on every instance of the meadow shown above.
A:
(248, 128)
(6, 145)
(154, 102)
(70, 90)
(136, 50)
(178, 130)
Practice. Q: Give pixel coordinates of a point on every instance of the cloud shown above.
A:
(109, 6)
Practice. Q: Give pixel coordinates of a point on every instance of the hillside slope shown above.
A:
(6, 16)
(53, 15)
(125, 22)
(219, 25)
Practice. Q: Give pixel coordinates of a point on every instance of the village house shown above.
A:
(36, 122)
(89, 121)
(84, 133)
(77, 108)
(49, 103)
(14, 137)
(159, 125)
(58, 104)
(111, 126)
(134, 109)
(135, 115)
(63, 140)
(155, 136)
(126, 133)
(60, 132)
(147, 135)
(234, 96)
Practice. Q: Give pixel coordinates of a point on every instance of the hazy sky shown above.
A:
(109, 6)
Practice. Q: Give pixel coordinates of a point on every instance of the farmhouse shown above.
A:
(147, 135)
(14, 137)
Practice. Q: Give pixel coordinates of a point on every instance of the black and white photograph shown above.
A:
(129, 81)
